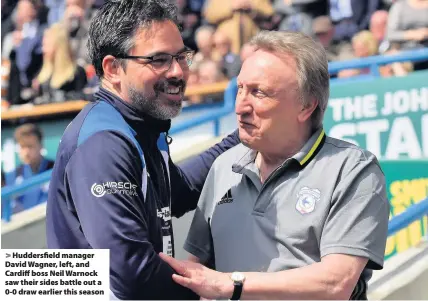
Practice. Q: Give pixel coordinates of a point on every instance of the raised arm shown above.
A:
(188, 178)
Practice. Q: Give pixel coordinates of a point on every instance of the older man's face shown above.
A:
(267, 104)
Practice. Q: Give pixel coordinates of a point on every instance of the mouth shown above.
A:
(244, 124)
(172, 90)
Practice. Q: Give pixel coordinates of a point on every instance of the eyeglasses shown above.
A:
(162, 62)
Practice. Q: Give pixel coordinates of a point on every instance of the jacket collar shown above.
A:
(303, 157)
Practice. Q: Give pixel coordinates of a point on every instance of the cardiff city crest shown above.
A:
(307, 199)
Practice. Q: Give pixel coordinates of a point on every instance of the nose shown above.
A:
(243, 104)
(176, 70)
(25, 152)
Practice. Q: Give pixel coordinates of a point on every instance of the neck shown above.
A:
(268, 161)
(114, 89)
(35, 165)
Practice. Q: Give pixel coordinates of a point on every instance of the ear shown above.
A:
(112, 69)
(307, 111)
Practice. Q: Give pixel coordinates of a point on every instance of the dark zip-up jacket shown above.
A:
(104, 194)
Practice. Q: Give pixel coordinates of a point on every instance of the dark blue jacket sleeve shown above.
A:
(187, 179)
(118, 221)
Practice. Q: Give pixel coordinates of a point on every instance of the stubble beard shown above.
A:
(153, 106)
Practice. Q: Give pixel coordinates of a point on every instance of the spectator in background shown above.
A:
(364, 45)
(192, 82)
(351, 16)
(230, 63)
(23, 48)
(378, 24)
(408, 24)
(56, 10)
(238, 18)
(323, 31)
(189, 14)
(5, 72)
(396, 68)
(29, 139)
(7, 22)
(193, 76)
(204, 40)
(386, 4)
(209, 72)
(297, 15)
(77, 17)
(246, 51)
(60, 78)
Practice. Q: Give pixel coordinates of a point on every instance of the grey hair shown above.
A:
(311, 62)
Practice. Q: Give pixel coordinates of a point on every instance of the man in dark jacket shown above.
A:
(114, 185)
(351, 16)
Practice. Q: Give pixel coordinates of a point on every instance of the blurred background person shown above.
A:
(246, 51)
(56, 10)
(192, 82)
(209, 72)
(396, 68)
(204, 37)
(29, 138)
(351, 16)
(230, 63)
(323, 31)
(189, 14)
(60, 78)
(408, 24)
(364, 45)
(386, 4)
(7, 22)
(22, 47)
(77, 17)
(378, 25)
(238, 18)
(298, 15)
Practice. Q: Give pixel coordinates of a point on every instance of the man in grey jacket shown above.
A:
(290, 213)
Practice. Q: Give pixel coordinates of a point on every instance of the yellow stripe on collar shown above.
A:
(313, 148)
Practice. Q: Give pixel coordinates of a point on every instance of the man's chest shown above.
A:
(265, 229)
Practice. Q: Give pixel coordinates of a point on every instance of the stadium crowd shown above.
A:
(44, 57)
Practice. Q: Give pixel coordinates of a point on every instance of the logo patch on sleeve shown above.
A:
(127, 188)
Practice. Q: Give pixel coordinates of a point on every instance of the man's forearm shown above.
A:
(309, 283)
(313, 282)
(159, 285)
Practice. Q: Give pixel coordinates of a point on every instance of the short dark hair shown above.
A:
(113, 28)
(26, 130)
